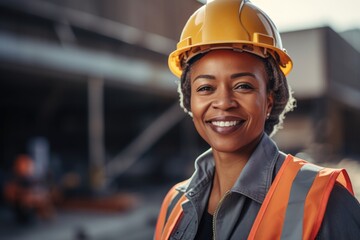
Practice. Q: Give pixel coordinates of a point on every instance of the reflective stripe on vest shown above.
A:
(293, 208)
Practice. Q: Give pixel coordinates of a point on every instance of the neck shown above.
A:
(228, 169)
(229, 166)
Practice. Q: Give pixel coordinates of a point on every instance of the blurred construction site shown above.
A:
(91, 132)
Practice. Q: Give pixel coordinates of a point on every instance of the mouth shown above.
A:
(225, 123)
(225, 126)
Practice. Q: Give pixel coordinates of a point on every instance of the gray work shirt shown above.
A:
(239, 208)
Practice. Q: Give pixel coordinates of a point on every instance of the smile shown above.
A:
(225, 123)
(225, 126)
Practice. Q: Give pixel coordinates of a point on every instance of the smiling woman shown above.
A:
(232, 70)
(229, 100)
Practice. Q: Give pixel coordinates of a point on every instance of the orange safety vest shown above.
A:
(294, 206)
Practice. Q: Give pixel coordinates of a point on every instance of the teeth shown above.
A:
(225, 123)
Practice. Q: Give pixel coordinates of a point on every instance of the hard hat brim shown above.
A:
(175, 59)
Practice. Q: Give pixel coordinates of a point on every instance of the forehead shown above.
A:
(229, 60)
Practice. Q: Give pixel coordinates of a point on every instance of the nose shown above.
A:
(224, 99)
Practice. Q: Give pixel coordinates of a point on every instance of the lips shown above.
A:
(225, 125)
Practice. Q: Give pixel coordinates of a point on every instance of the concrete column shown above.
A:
(96, 132)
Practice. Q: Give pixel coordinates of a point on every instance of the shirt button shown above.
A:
(191, 193)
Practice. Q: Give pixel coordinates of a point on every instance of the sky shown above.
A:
(291, 15)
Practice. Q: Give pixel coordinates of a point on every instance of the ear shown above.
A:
(270, 102)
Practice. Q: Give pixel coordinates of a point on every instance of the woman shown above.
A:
(232, 68)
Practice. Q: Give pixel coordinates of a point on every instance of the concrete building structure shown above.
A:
(91, 78)
(85, 86)
(325, 81)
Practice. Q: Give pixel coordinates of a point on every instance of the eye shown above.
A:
(204, 89)
(243, 86)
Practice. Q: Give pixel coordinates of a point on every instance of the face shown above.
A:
(229, 99)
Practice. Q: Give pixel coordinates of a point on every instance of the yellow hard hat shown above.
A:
(233, 24)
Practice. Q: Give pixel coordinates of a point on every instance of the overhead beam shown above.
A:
(72, 59)
(93, 23)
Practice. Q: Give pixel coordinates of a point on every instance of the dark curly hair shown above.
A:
(277, 85)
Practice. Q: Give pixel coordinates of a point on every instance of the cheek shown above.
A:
(195, 106)
(194, 101)
(257, 109)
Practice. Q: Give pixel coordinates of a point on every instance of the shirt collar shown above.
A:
(204, 172)
(253, 182)
(257, 175)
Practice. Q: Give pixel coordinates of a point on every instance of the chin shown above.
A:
(225, 148)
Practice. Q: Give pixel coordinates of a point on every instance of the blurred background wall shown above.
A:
(85, 92)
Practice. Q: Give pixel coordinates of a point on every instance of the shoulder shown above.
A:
(179, 187)
(174, 194)
(342, 216)
(171, 198)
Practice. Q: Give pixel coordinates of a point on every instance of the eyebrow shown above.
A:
(206, 76)
(242, 74)
(233, 76)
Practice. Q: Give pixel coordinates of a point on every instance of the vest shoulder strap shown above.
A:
(296, 202)
(170, 212)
